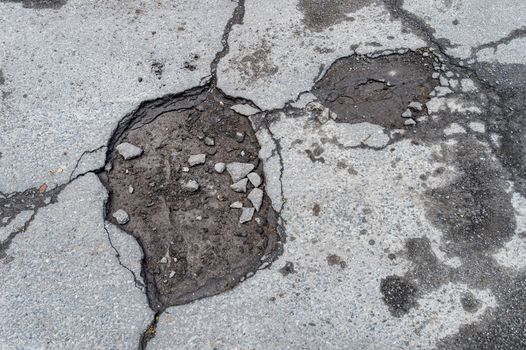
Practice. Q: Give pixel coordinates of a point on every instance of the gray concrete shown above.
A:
(62, 286)
(366, 209)
(70, 74)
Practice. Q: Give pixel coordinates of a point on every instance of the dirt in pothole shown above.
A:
(377, 90)
(193, 241)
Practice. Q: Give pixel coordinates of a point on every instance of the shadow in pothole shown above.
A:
(192, 193)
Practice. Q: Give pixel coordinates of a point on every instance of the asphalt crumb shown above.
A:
(335, 260)
(287, 269)
(316, 210)
(399, 294)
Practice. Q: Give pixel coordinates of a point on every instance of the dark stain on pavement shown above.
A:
(39, 4)
(322, 14)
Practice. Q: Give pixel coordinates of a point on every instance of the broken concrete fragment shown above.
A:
(407, 114)
(128, 151)
(255, 179)
(197, 159)
(417, 106)
(240, 136)
(219, 167)
(236, 205)
(409, 122)
(191, 186)
(240, 186)
(209, 141)
(256, 198)
(246, 215)
(121, 216)
(239, 170)
(245, 109)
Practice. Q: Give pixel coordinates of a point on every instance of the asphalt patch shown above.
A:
(377, 90)
(40, 4)
(194, 244)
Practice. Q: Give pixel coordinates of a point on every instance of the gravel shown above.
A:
(121, 216)
(239, 170)
(191, 185)
(197, 159)
(240, 186)
(255, 179)
(246, 215)
(220, 167)
(129, 151)
(256, 198)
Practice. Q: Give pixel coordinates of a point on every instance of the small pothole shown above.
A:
(388, 91)
(192, 193)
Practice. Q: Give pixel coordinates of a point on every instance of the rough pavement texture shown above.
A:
(400, 231)
(62, 285)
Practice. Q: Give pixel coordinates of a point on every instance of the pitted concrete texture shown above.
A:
(467, 26)
(70, 74)
(276, 53)
(62, 286)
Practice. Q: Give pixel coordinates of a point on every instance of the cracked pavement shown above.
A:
(392, 143)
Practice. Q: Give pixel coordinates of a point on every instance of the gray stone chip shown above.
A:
(236, 205)
(407, 114)
(240, 186)
(244, 109)
(191, 185)
(197, 159)
(239, 170)
(255, 179)
(246, 215)
(121, 216)
(219, 167)
(256, 198)
(415, 105)
(128, 151)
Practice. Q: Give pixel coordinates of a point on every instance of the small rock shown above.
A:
(244, 109)
(128, 151)
(191, 186)
(239, 170)
(435, 75)
(409, 122)
(172, 273)
(236, 205)
(417, 106)
(255, 179)
(185, 169)
(240, 136)
(130, 189)
(209, 141)
(219, 167)
(197, 159)
(324, 116)
(242, 153)
(240, 186)
(256, 198)
(407, 114)
(246, 215)
(121, 216)
(164, 260)
(443, 81)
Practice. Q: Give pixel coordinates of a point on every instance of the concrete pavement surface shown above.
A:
(389, 135)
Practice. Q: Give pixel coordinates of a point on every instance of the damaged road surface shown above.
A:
(185, 172)
(304, 174)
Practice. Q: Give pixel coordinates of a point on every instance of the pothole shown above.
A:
(390, 91)
(192, 193)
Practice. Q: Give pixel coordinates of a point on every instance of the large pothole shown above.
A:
(203, 228)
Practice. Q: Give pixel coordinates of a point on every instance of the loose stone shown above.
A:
(219, 167)
(407, 114)
(409, 122)
(256, 198)
(121, 216)
(191, 186)
(239, 170)
(128, 151)
(240, 136)
(240, 186)
(246, 215)
(130, 189)
(209, 141)
(236, 205)
(197, 159)
(417, 106)
(255, 179)
(244, 109)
